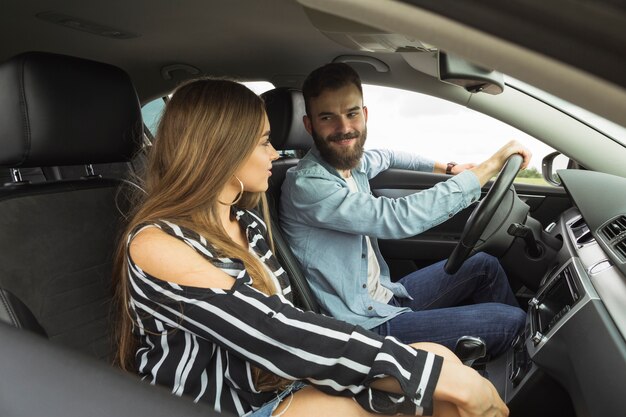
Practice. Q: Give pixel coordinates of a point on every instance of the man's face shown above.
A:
(338, 126)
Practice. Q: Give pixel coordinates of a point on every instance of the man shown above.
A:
(332, 222)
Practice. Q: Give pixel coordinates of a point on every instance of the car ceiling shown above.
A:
(249, 39)
(275, 40)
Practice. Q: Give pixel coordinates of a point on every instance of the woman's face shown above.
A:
(256, 170)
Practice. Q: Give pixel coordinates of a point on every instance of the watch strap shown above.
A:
(449, 167)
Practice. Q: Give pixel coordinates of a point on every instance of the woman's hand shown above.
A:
(470, 393)
(460, 390)
(484, 402)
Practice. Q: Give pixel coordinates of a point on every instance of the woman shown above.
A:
(206, 309)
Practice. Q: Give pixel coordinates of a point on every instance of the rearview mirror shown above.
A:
(475, 79)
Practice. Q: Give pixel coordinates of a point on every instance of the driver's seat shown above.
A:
(285, 108)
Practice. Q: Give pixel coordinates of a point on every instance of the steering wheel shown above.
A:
(483, 214)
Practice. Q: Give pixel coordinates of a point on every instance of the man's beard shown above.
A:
(341, 158)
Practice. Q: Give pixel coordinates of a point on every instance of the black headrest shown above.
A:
(61, 110)
(285, 108)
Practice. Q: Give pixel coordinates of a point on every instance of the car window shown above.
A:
(151, 111)
(605, 126)
(441, 130)
(259, 87)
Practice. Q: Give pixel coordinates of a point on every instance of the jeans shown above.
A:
(268, 408)
(437, 316)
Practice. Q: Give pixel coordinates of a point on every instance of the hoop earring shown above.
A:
(239, 195)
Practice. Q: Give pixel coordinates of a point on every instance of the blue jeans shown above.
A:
(493, 313)
(268, 408)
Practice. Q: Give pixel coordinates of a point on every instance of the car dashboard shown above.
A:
(571, 358)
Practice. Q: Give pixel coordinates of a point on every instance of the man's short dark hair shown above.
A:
(329, 77)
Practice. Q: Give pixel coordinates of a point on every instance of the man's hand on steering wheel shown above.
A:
(489, 168)
(507, 161)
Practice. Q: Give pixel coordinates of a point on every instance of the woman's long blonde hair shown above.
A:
(208, 129)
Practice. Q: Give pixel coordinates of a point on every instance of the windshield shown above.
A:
(607, 127)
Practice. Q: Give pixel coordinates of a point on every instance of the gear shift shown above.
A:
(470, 348)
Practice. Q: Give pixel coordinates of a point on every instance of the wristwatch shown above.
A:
(449, 167)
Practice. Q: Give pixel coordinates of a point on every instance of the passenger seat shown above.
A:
(57, 238)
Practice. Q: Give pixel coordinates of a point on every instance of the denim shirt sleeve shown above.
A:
(377, 160)
(326, 202)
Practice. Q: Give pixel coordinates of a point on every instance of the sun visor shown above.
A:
(361, 37)
(421, 56)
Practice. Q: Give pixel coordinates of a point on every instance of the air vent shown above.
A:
(581, 232)
(579, 228)
(578, 223)
(615, 228)
(585, 238)
(620, 247)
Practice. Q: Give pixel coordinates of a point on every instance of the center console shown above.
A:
(558, 295)
(528, 377)
(522, 383)
(571, 348)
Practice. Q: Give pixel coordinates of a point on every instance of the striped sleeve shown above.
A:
(338, 358)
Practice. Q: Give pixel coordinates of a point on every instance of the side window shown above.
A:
(441, 130)
(259, 87)
(151, 113)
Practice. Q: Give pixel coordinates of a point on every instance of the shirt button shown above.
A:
(370, 308)
(364, 285)
(450, 215)
(363, 255)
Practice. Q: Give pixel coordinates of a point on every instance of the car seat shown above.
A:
(58, 237)
(285, 108)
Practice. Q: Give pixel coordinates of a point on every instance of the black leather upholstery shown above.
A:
(14, 312)
(43, 380)
(285, 107)
(59, 110)
(57, 238)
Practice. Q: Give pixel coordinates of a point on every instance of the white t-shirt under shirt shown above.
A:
(376, 291)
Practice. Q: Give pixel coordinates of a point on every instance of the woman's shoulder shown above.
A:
(164, 255)
(167, 227)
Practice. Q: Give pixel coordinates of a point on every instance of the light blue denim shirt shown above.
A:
(325, 225)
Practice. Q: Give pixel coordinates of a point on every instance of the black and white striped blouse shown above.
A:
(202, 342)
